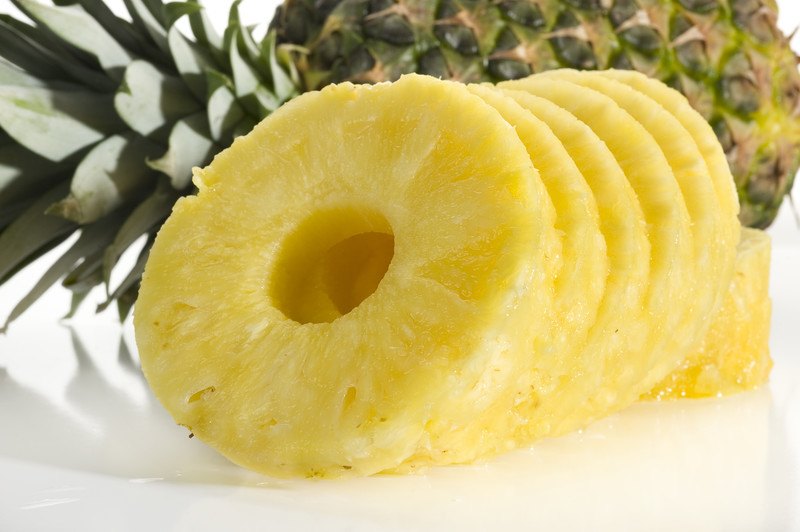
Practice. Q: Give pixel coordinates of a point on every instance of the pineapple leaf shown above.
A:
(176, 10)
(206, 35)
(126, 300)
(12, 75)
(32, 233)
(191, 62)
(122, 30)
(148, 23)
(149, 99)
(23, 174)
(236, 32)
(144, 217)
(85, 275)
(24, 46)
(224, 112)
(55, 123)
(248, 43)
(282, 83)
(190, 145)
(250, 89)
(91, 237)
(92, 37)
(110, 174)
(132, 279)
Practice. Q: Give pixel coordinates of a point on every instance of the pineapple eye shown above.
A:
(331, 263)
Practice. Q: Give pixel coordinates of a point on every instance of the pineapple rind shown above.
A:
(392, 381)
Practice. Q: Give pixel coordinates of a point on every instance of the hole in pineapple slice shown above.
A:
(331, 263)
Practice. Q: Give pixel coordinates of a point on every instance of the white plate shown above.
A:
(85, 446)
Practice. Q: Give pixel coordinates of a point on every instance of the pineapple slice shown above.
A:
(708, 144)
(262, 332)
(734, 355)
(555, 401)
(656, 339)
(701, 132)
(581, 282)
(715, 229)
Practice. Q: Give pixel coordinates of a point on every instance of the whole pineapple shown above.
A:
(726, 56)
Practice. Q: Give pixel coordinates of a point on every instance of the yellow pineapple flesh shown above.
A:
(734, 355)
(714, 231)
(379, 278)
(230, 337)
(556, 399)
(651, 331)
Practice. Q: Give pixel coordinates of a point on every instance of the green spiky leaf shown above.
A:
(206, 35)
(93, 236)
(122, 30)
(12, 75)
(32, 233)
(92, 37)
(43, 57)
(191, 61)
(110, 174)
(144, 217)
(23, 174)
(130, 281)
(282, 83)
(56, 123)
(190, 145)
(174, 11)
(150, 99)
(249, 88)
(148, 23)
(224, 111)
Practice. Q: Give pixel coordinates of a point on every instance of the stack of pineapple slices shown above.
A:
(383, 277)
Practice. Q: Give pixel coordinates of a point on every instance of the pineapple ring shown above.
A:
(581, 282)
(672, 258)
(443, 192)
(708, 144)
(711, 228)
(623, 224)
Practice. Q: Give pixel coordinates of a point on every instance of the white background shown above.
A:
(84, 445)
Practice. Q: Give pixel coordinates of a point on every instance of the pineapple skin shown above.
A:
(734, 355)
(726, 56)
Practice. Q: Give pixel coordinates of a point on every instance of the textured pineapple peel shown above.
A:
(384, 277)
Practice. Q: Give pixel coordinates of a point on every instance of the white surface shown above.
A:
(85, 446)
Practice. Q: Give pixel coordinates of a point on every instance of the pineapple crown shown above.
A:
(101, 121)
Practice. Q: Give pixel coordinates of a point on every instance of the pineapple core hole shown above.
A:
(330, 264)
